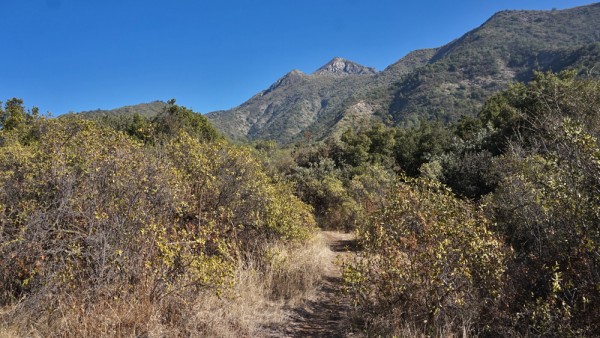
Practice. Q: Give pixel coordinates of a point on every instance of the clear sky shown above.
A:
(74, 55)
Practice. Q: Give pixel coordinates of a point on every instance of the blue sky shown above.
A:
(74, 55)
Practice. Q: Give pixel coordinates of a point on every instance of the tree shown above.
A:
(14, 115)
(418, 145)
(176, 119)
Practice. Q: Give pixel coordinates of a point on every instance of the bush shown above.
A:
(430, 264)
(546, 206)
(91, 219)
(85, 208)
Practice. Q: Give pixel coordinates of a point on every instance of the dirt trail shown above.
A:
(324, 315)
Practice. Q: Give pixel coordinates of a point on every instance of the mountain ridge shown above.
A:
(147, 109)
(444, 83)
(341, 66)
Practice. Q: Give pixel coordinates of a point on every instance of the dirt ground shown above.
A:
(325, 315)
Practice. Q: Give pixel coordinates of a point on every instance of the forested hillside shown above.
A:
(441, 83)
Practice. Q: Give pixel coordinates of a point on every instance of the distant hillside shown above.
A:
(145, 109)
(301, 102)
(444, 83)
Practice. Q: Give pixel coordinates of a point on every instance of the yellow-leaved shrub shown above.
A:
(430, 264)
(90, 215)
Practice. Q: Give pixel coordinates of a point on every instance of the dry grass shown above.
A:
(7, 331)
(294, 274)
(255, 306)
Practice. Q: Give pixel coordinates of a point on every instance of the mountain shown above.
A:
(445, 82)
(340, 66)
(507, 47)
(311, 103)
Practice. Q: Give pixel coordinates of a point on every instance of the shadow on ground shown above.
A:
(326, 315)
(322, 317)
(344, 245)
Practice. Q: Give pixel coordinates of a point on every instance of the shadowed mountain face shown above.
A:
(444, 83)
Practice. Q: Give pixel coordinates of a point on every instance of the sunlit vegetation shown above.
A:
(520, 256)
(430, 264)
(159, 226)
(157, 221)
(487, 225)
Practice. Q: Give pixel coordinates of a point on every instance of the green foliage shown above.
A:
(163, 122)
(546, 206)
(418, 145)
(514, 112)
(346, 179)
(140, 128)
(370, 187)
(321, 186)
(15, 117)
(430, 261)
(177, 119)
(533, 154)
(231, 185)
(146, 110)
(373, 145)
(443, 84)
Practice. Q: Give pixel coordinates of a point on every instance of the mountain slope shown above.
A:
(446, 82)
(300, 102)
(150, 109)
(507, 47)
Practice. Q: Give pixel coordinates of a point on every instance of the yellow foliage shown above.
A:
(88, 208)
(429, 261)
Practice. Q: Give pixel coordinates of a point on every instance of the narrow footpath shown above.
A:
(325, 315)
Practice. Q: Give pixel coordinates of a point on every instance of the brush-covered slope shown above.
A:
(149, 110)
(298, 102)
(508, 47)
(445, 83)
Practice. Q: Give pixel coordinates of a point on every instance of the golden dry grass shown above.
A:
(255, 306)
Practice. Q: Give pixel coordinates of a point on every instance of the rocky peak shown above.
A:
(292, 77)
(340, 66)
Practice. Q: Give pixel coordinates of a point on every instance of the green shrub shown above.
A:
(546, 206)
